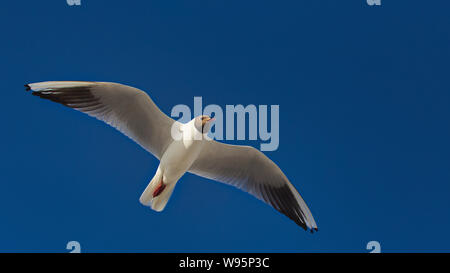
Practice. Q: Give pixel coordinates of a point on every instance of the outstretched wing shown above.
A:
(128, 109)
(250, 170)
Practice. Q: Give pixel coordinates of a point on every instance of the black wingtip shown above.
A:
(27, 87)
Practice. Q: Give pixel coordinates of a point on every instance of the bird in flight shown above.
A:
(180, 147)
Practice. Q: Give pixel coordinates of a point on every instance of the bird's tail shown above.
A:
(157, 193)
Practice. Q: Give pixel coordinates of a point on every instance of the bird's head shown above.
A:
(203, 123)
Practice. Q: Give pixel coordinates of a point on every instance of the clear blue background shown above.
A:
(364, 108)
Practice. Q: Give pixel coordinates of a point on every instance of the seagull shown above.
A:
(180, 147)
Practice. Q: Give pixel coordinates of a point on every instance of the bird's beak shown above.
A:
(207, 120)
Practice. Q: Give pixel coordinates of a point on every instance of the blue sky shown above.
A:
(364, 123)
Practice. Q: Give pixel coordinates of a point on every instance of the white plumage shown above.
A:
(133, 113)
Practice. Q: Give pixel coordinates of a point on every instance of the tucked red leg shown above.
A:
(159, 189)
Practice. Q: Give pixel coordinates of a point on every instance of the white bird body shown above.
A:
(132, 112)
(175, 162)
